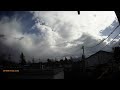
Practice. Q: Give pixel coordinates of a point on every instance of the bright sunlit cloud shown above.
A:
(59, 33)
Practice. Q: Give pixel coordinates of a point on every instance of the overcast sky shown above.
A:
(50, 34)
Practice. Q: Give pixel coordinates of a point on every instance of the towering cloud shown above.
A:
(56, 33)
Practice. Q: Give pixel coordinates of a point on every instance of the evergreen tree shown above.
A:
(22, 57)
(48, 62)
(66, 60)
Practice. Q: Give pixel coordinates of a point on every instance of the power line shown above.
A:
(107, 37)
(111, 41)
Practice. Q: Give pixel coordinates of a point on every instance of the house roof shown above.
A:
(101, 51)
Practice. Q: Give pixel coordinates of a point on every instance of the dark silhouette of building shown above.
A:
(117, 54)
(100, 57)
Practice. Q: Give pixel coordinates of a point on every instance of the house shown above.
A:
(101, 57)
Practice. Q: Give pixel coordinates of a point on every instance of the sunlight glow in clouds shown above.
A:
(60, 32)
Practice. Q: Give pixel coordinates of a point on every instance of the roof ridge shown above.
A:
(98, 52)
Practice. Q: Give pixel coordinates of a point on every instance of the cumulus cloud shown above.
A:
(74, 30)
(57, 33)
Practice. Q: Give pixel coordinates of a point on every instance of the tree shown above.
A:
(22, 57)
(33, 60)
(66, 60)
(49, 62)
(61, 61)
(2, 59)
(9, 57)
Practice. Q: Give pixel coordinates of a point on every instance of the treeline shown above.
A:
(6, 59)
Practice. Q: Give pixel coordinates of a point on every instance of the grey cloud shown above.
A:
(57, 35)
(1, 35)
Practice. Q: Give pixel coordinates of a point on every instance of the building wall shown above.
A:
(98, 58)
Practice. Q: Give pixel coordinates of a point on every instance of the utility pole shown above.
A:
(83, 60)
(83, 55)
(83, 50)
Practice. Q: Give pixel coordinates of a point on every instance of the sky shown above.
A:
(56, 34)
